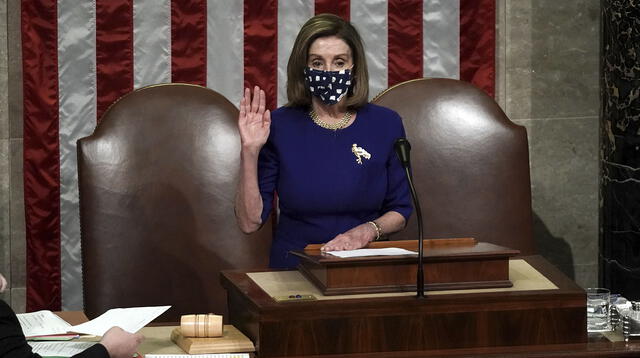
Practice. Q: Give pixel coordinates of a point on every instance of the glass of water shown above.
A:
(598, 301)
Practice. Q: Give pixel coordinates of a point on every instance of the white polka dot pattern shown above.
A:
(329, 86)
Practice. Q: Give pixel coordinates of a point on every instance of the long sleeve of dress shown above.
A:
(268, 175)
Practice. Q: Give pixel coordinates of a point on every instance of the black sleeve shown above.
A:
(95, 351)
(12, 341)
(14, 345)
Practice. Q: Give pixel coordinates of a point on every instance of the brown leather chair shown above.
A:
(157, 181)
(470, 163)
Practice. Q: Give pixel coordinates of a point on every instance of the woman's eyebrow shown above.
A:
(337, 55)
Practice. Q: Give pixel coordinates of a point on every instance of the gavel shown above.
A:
(201, 325)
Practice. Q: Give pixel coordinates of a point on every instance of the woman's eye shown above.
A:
(316, 64)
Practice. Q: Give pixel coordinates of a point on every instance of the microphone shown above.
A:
(403, 149)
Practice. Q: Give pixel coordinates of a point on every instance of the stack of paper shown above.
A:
(44, 323)
(47, 325)
(387, 251)
(59, 349)
(129, 319)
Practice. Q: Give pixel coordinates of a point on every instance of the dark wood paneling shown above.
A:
(438, 324)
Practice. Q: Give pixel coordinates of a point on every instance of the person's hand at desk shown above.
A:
(355, 238)
(120, 343)
(361, 235)
(116, 342)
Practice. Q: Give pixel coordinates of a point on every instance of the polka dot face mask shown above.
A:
(329, 86)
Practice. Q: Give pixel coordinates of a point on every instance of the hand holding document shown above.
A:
(130, 319)
(388, 251)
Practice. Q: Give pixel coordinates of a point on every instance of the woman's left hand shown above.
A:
(355, 238)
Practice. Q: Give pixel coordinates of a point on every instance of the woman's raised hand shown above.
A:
(254, 120)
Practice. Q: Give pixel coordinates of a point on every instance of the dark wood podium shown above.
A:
(540, 323)
(456, 263)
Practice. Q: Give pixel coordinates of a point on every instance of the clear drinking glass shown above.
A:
(598, 313)
(631, 321)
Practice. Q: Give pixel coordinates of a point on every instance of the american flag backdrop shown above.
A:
(79, 56)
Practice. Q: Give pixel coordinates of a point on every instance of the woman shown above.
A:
(327, 153)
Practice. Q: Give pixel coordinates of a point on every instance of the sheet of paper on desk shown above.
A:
(59, 349)
(42, 323)
(130, 319)
(388, 251)
(213, 355)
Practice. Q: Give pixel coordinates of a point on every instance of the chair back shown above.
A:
(157, 181)
(470, 163)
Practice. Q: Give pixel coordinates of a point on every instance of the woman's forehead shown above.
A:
(329, 45)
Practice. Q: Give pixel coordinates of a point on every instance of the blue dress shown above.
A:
(322, 189)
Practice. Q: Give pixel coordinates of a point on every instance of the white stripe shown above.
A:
(225, 41)
(151, 42)
(441, 38)
(292, 14)
(370, 19)
(77, 111)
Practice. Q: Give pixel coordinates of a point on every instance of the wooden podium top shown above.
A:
(564, 287)
(452, 263)
(434, 250)
(515, 323)
(285, 283)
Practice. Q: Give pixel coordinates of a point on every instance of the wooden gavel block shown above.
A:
(201, 325)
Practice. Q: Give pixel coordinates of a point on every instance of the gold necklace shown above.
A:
(335, 126)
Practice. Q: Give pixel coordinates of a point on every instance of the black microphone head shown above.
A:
(403, 148)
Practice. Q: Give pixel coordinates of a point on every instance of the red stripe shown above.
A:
(404, 40)
(341, 8)
(41, 153)
(261, 47)
(477, 43)
(114, 51)
(189, 41)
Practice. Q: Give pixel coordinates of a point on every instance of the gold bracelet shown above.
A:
(377, 228)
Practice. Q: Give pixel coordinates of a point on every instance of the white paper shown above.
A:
(388, 251)
(59, 349)
(213, 355)
(42, 323)
(129, 319)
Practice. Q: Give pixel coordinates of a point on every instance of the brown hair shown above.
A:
(321, 26)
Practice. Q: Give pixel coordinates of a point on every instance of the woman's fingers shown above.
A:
(247, 100)
(261, 103)
(339, 243)
(243, 113)
(255, 101)
(266, 119)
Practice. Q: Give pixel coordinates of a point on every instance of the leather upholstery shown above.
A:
(157, 180)
(470, 163)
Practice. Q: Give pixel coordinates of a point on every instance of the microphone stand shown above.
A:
(403, 148)
(416, 204)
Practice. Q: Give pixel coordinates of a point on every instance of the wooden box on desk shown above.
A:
(449, 264)
(402, 323)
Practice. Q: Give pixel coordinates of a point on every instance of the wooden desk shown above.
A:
(542, 323)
